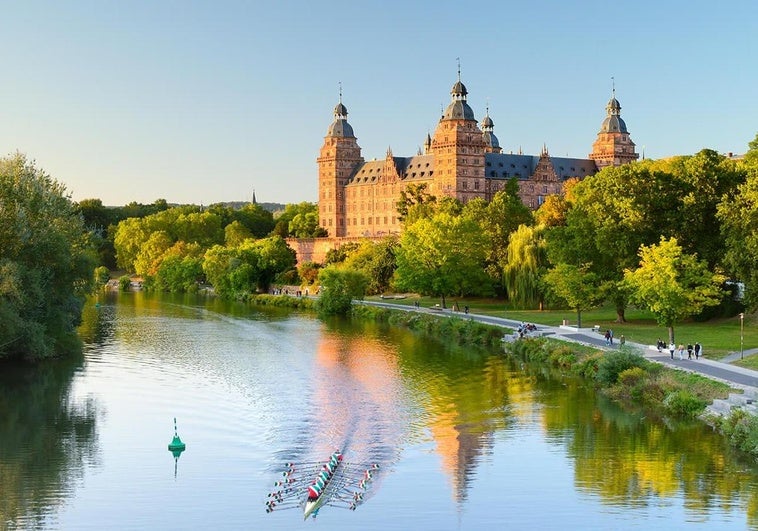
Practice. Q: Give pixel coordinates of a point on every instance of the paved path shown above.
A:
(717, 370)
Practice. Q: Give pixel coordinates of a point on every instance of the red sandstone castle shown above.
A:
(358, 198)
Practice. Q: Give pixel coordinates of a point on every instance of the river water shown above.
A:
(464, 439)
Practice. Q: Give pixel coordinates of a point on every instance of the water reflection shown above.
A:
(46, 440)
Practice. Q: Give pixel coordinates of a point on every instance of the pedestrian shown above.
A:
(611, 333)
(681, 351)
(689, 351)
(697, 351)
(659, 344)
(622, 340)
(672, 348)
(607, 337)
(465, 309)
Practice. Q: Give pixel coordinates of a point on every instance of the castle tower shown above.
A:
(340, 155)
(491, 144)
(458, 150)
(613, 146)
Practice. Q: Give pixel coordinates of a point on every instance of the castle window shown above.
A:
(465, 185)
(489, 164)
(493, 173)
(544, 190)
(501, 164)
(476, 185)
(369, 221)
(431, 173)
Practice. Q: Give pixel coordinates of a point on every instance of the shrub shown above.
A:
(614, 363)
(684, 403)
(124, 283)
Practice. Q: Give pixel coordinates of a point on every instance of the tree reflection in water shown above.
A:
(46, 440)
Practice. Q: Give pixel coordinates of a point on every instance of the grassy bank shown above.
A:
(719, 337)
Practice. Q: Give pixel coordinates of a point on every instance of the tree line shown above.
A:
(661, 234)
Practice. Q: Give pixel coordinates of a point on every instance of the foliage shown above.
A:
(339, 286)
(308, 272)
(181, 271)
(101, 277)
(578, 287)
(738, 214)
(614, 363)
(525, 265)
(442, 256)
(684, 403)
(253, 265)
(376, 260)
(414, 202)
(124, 282)
(46, 263)
(341, 253)
(671, 284)
(235, 233)
(742, 430)
(301, 221)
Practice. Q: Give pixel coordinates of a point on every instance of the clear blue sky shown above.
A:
(201, 102)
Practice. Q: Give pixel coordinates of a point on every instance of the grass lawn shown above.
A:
(719, 337)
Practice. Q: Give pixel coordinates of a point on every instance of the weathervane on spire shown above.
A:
(458, 59)
(340, 85)
(613, 85)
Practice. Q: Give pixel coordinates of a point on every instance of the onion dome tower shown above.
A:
(458, 149)
(491, 144)
(339, 156)
(613, 146)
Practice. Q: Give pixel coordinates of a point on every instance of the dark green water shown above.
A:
(465, 439)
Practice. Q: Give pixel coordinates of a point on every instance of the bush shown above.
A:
(124, 283)
(684, 403)
(614, 363)
(742, 430)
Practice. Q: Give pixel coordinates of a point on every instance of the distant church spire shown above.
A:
(254, 201)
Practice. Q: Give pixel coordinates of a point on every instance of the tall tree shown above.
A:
(46, 263)
(339, 287)
(739, 227)
(442, 256)
(579, 287)
(525, 266)
(672, 284)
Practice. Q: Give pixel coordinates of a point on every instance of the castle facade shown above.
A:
(358, 198)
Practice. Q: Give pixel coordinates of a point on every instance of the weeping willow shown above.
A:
(526, 261)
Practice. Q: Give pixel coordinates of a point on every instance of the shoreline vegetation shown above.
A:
(623, 375)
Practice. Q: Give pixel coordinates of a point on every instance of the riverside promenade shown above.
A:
(738, 377)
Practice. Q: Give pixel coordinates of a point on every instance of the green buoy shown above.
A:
(176, 446)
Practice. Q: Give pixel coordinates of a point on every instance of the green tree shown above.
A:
(442, 256)
(377, 262)
(46, 263)
(580, 288)
(235, 233)
(414, 202)
(305, 218)
(672, 284)
(339, 286)
(525, 265)
(739, 227)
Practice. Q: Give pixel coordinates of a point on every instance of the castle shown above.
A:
(358, 198)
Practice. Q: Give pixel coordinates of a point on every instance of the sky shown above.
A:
(204, 102)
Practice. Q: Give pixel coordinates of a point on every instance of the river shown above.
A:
(464, 439)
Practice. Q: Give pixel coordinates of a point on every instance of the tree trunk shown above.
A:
(620, 314)
(579, 318)
(671, 334)
(443, 301)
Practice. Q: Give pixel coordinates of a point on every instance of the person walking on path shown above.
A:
(697, 351)
(672, 348)
(689, 351)
(681, 352)
(622, 340)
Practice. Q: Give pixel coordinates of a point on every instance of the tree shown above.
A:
(304, 215)
(46, 263)
(580, 288)
(498, 219)
(339, 286)
(672, 284)
(739, 228)
(376, 260)
(414, 197)
(526, 263)
(442, 256)
(235, 233)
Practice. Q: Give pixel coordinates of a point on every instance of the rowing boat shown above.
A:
(316, 491)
